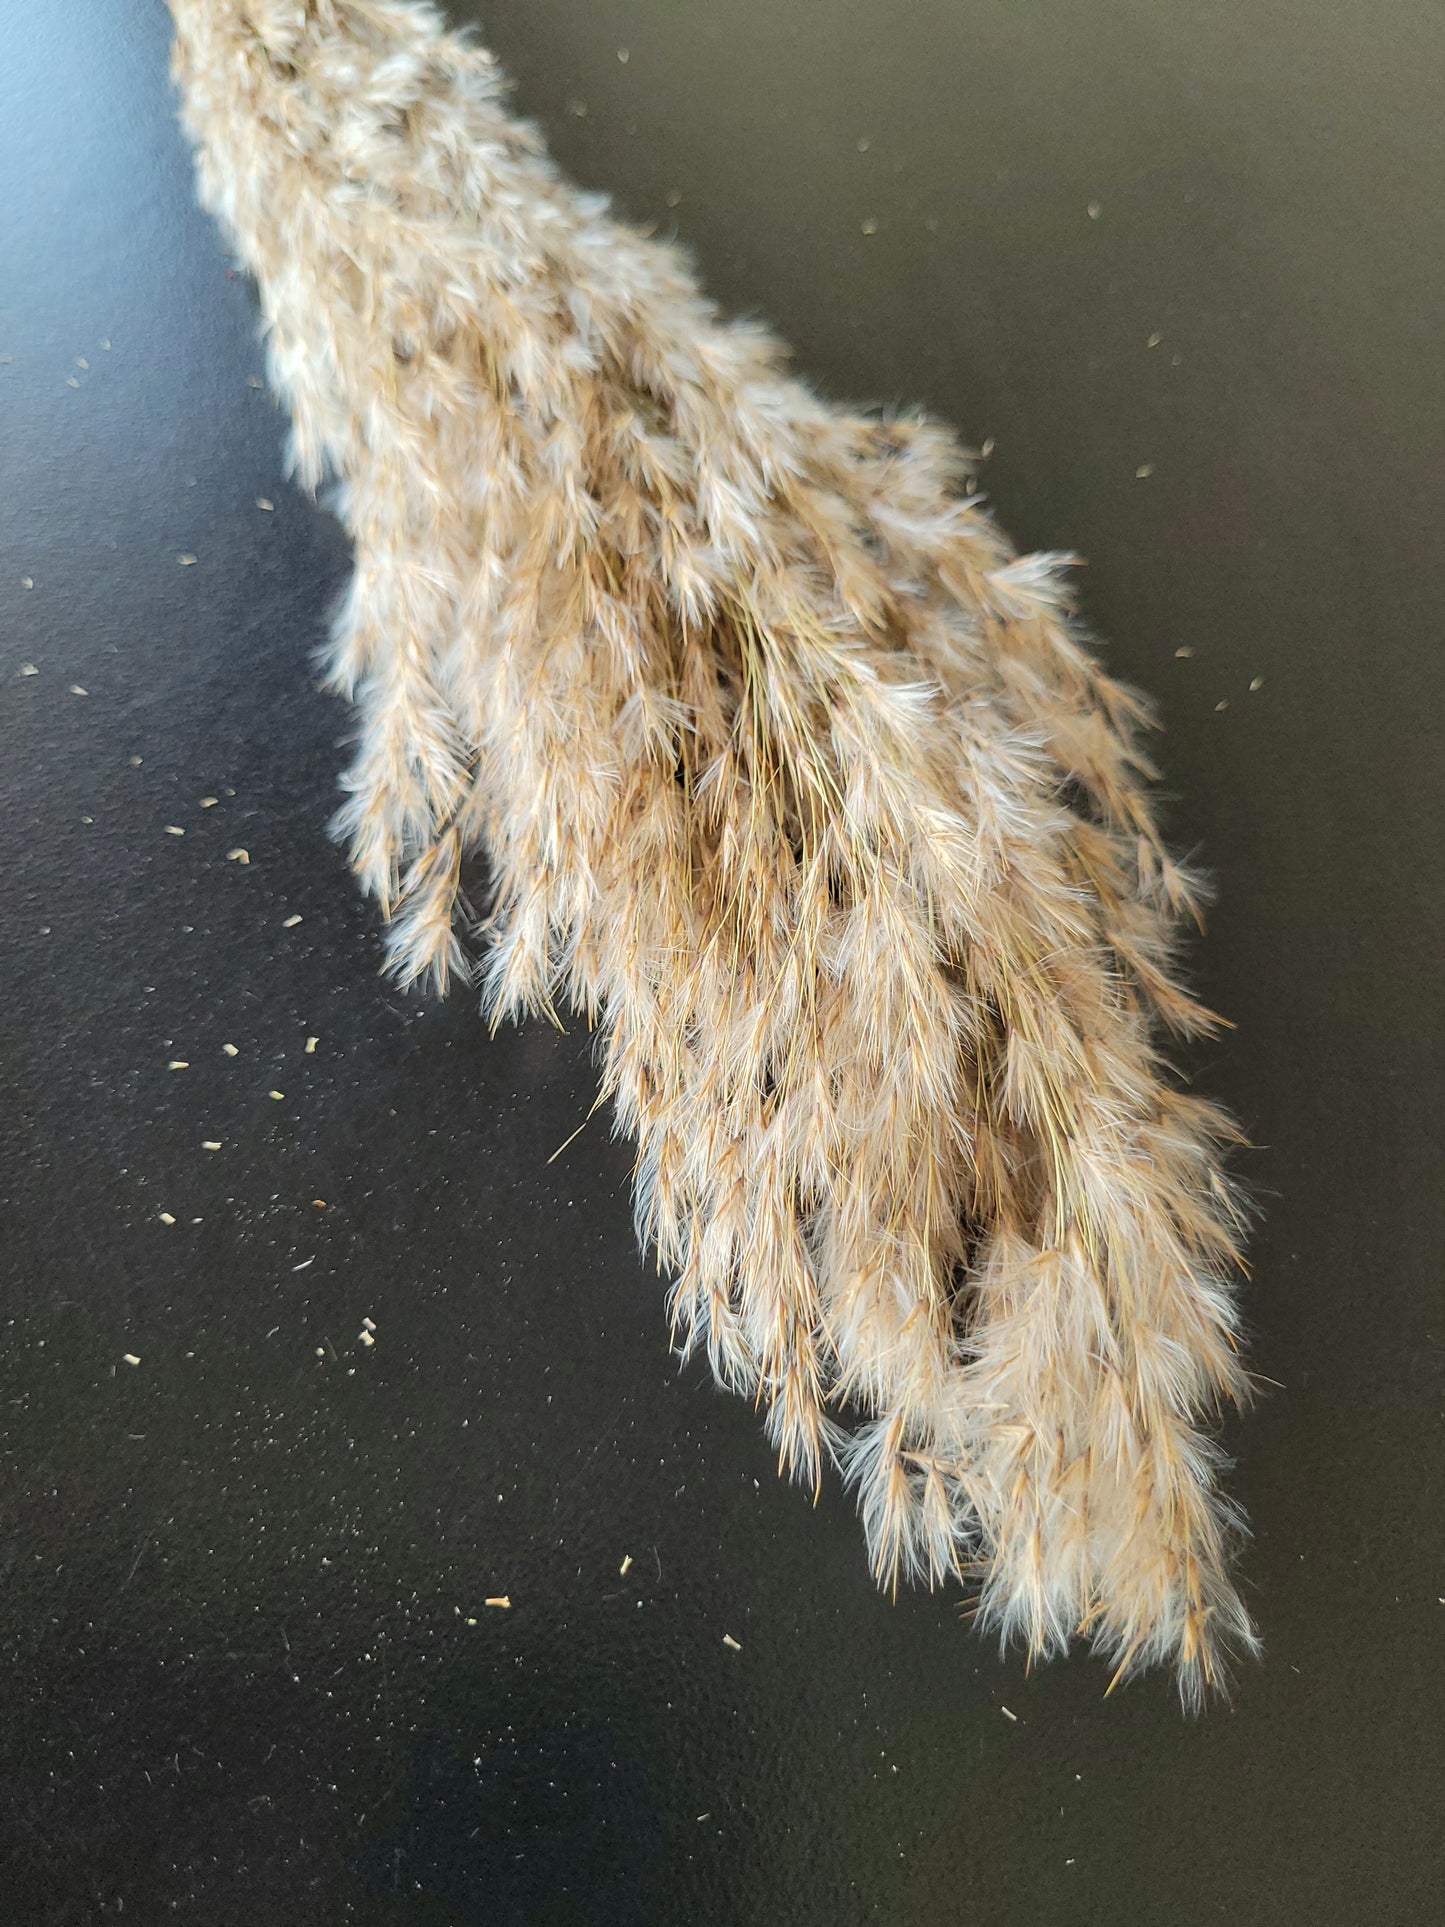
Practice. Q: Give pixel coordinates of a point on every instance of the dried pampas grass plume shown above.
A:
(795, 781)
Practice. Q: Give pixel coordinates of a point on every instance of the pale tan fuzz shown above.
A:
(796, 781)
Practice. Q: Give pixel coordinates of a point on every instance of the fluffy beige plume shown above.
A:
(797, 782)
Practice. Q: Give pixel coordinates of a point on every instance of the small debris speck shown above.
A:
(1184, 654)
(278, 1095)
(366, 1338)
(130, 1358)
(368, 1324)
(1256, 682)
(674, 196)
(311, 1043)
(209, 802)
(731, 1643)
(179, 1064)
(71, 382)
(320, 1203)
(502, 1599)
(305, 1263)
(1143, 471)
(238, 856)
(187, 561)
(210, 1144)
(1222, 705)
(290, 923)
(1153, 341)
(76, 690)
(174, 829)
(864, 144)
(27, 581)
(165, 1217)
(263, 503)
(870, 226)
(105, 343)
(81, 362)
(254, 381)
(230, 1050)
(622, 55)
(1096, 208)
(987, 449)
(28, 669)
(577, 107)
(1009, 1714)
(622, 1569)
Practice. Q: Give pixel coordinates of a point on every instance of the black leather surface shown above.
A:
(249, 1675)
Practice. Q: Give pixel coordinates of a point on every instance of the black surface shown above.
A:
(248, 1673)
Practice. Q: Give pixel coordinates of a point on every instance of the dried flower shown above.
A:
(794, 779)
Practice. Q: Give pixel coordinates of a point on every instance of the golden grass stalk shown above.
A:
(797, 782)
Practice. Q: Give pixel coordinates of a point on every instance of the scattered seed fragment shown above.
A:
(81, 362)
(210, 1144)
(320, 1203)
(290, 923)
(28, 669)
(165, 1217)
(263, 503)
(728, 1640)
(1153, 341)
(870, 226)
(105, 343)
(187, 561)
(173, 829)
(179, 1064)
(1256, 682)
(622, 55)
(1008, 1715)
(130, 1358)
(76, 690)
(1219, 706)
(1144, 470)
(278, 1095)
(305, 1262)
(502, 1599)
(311, 1043)
(674, 196)
(864, 144)
(238, 856)
(1096, 208)
(71, 382)
(988, 448)
(1184, 654)
(254, 381)
(27, 581)
(366, 1338)
(622, 1569)
(208, 802)
(368, 1324)
(230, 1050)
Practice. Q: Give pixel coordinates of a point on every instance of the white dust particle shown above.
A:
(622, 1569)
(210, 1144)
(1009, 1715)
(730, 1642)
(290, 923)
(130, 1358)
(165, 1217)
(230, 1050)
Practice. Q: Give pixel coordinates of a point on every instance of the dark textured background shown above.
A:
(248, 1677)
